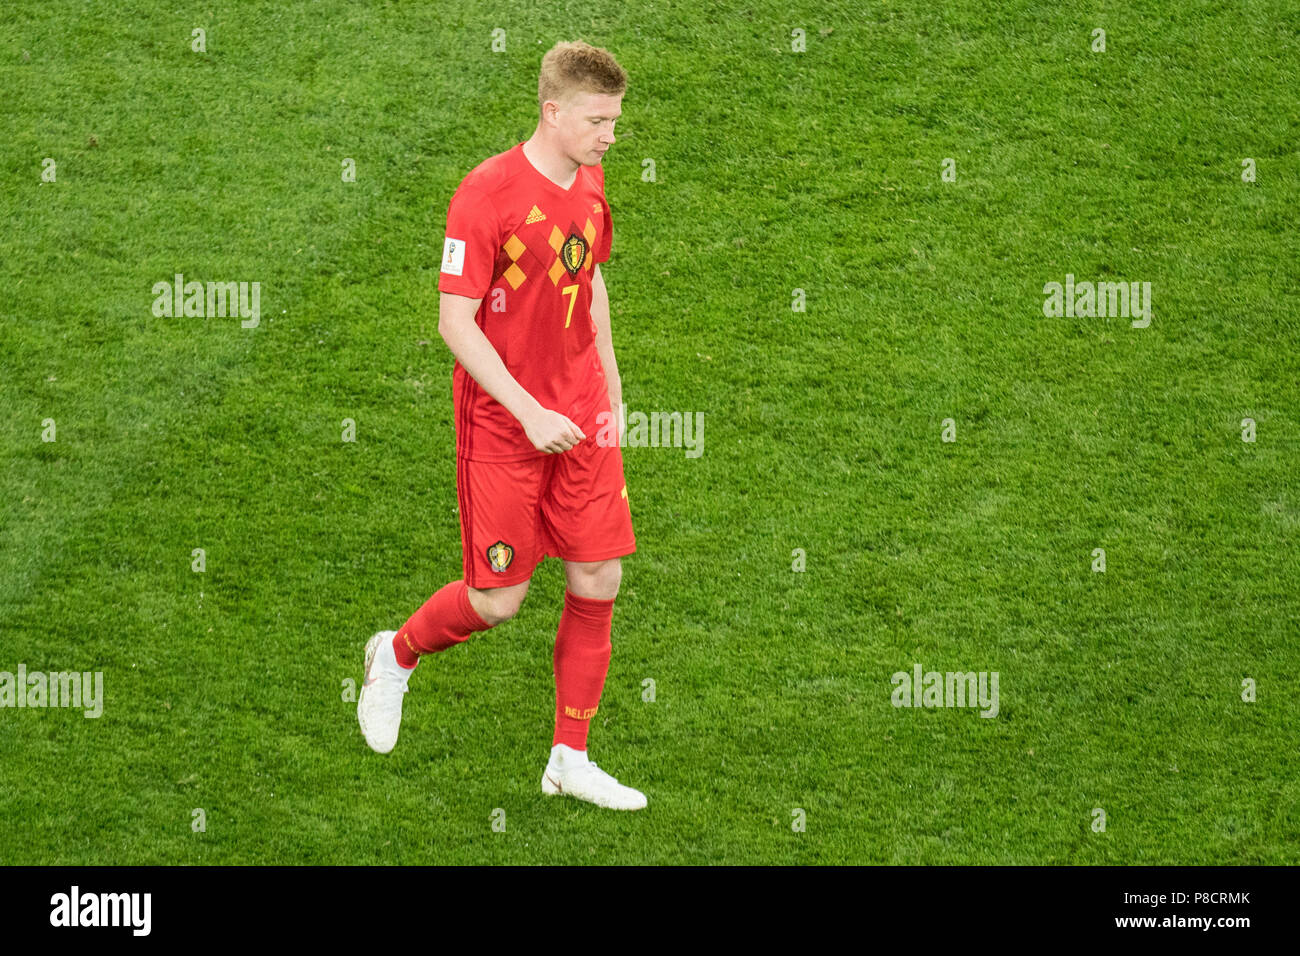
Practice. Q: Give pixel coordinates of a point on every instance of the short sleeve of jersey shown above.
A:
(607, 230)
(469, 249)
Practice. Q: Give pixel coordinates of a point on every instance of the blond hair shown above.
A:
(571, 68)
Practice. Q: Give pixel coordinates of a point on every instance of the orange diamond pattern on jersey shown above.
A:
(508, 214)
(556, 240)
(515, 248)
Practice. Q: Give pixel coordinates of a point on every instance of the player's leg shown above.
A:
(498, 605)
(586, 511)
(501, 545)
(594, 579)
(583, 647)
(451, 615)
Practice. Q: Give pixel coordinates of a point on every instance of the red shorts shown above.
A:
(572, 505)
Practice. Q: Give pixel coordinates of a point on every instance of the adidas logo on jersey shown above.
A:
(535, 216)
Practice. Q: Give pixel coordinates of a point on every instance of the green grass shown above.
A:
(775, 171)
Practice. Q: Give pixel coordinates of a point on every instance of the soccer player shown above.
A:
(524, 309)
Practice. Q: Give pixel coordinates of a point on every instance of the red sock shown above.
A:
(582, 649)
(446, 619)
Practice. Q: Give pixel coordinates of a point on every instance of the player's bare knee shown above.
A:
(498, 605)
(612, 577)
(510, 604)
(596, 579)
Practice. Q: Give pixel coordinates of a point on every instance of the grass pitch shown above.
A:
(774, 171)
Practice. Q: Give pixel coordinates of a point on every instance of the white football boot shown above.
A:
(379, 707)
(570, 773)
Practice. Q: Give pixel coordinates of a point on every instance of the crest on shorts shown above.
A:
(573, 253)
(500, 555)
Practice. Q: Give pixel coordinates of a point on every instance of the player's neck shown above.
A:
(551, 163)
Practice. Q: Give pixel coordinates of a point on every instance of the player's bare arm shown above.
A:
(548, 430)
(605, 341)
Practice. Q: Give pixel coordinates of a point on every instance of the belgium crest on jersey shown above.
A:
(573, 253)
(500, 555)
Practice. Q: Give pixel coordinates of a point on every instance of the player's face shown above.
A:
(586, 126)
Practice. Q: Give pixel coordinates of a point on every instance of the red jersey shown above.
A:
(528, 248)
